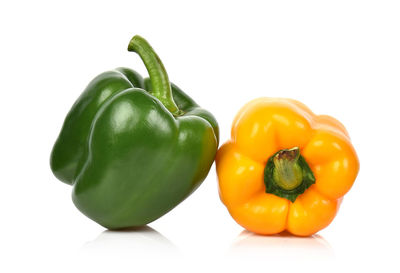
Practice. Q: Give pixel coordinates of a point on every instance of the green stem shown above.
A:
(287, 174)
(161, 87)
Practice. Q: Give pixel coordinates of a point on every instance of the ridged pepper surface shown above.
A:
(285, 168)
(134, 148)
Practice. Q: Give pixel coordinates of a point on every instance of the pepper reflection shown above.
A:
(281, 246)
(144, 242)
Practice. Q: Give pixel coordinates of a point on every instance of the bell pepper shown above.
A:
(285, 168)
(134, 148)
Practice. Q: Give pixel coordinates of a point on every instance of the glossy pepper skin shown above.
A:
(134, 148)
(260, 130)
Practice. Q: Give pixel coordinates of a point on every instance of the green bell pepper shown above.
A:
(134, 148)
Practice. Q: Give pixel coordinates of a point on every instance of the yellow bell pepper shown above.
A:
(285, 168)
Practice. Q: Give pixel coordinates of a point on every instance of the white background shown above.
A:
(341, 58)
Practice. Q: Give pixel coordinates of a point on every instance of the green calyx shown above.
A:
(157, 73)
(287, 174)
